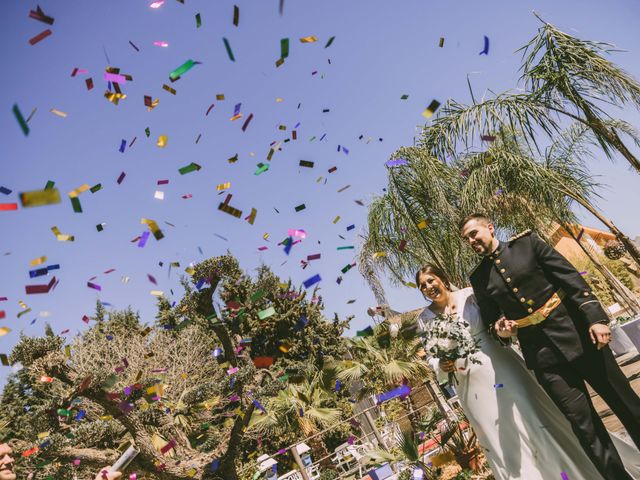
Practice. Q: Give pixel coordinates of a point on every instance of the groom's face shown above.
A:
(479, 235)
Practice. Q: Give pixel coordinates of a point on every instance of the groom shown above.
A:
(525, 288)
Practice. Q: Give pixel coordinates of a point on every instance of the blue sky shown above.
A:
(381, 51)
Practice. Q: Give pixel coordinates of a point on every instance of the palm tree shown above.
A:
(302, 407)
(564, 78)
(561, 69)
(545, 189)
(414, 221)
(408, 453)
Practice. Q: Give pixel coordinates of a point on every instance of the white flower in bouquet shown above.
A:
(447, 337)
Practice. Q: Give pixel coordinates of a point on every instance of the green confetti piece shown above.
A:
(404, 97)
(198, 20)
(50, 184)
(63, 412)
(100, 227)
(24, 312)
(257, 296)
(262, 167)
(184, 68)
(283, 377)
(300, 207)
(75, 203)
(346, 268)
(266, 313)
(284, 48)
(21, 120)
(228, 47)
(236, 15)
(95, 188)
(330, 42)
(348, 247)
(147, 131)
(192, 167)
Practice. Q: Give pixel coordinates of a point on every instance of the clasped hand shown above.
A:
(506, 328)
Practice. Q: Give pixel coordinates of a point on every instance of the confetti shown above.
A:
(330, 42)
(228, 48)
(402, 392)
(158, 43)
(192, 167)
(198, 20)
(300, 207)
(431, 109)
(182, 69)
(21, 120)
(58, 113)
(396, 163)
(8, 206)
(485, 50)
(157, 4)
(236, 15)
(41, 36)
(38, 198)
(39, 15)
(310, 39)
(284, 48)
(266, 313)
(4, 331)
(312, 281)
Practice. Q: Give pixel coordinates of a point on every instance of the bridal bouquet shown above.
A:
(447, 337)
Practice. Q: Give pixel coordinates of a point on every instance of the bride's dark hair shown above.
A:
(431, 269)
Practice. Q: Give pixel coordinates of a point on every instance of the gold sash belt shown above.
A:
(543, 312)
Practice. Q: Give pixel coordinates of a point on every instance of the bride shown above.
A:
(521, 431)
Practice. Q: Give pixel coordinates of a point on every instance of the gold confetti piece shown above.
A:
(223, 186)
(190, 270)
(4, 331)
(38, 261)
(379, 254)
(162, 141)
(114, 97)
(153, 104)
(336, 220)
(422, 225)
(319, 179)
(278, 99)
(220, 96)
(58, 113)
(38, 198)
(431, 109)
(310, 39)
(42, 435)
(159, 195)
(157, 293)
(106, 417)
(62, 237)
(265, 236)
(21, 303)
(79, 190)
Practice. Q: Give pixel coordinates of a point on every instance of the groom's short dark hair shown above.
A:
(473, 216)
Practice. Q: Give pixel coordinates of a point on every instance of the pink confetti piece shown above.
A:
(114, 77)
(162, 182)
(95, 286)
(168, 446)
(297, 233)
(233, 370)
(157, 4)
(161, 44)
(262, 249)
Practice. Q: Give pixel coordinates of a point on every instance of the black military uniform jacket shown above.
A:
(517, 279)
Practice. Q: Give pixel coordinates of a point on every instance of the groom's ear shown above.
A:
(491, 228)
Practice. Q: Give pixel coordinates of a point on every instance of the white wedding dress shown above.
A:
(522, 432)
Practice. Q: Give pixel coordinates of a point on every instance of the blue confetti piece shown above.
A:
(259, 405)
(312, 281)
(54, 267)
(322, 137)
(123, 144)
(38, 272)
(351, 227)
(199, 284)
(5, 190)
(337, 388)
(80, 415)
(288, 243)
(485, 50)
(396, 163)
(215, 464)
(217, 352)
(498, 385)
(402, 392)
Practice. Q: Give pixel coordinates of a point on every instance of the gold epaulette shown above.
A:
(521, 234)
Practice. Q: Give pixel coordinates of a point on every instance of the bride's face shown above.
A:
(432, 287)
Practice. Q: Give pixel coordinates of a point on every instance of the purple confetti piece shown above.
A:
(143, 238)
(564, 476)
(396, 163)
(312, 281)
(94, 286)
(259, 405)
(121, 178)
(282, 451)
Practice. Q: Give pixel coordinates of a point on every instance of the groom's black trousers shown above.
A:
(565, 384)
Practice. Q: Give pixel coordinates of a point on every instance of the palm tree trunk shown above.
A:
(629, 245)
(599, 127)
(612, 282)
(440, 401)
